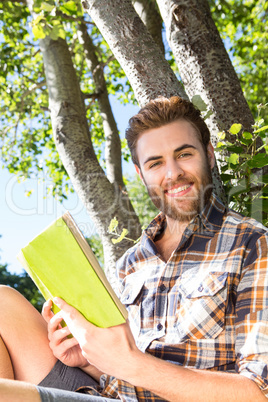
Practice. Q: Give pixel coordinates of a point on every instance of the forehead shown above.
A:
(167, 138)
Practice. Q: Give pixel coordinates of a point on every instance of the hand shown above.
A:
(67, 350)
(112, 350)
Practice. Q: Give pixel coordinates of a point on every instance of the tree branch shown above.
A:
(150, 16)
(112, 139)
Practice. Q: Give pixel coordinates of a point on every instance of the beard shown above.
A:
(184, 208)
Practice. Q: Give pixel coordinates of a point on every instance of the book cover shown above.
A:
(61, 263)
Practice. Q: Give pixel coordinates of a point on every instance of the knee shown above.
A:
(9, 295)
(7, 291)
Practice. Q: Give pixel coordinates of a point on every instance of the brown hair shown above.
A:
(162, 111)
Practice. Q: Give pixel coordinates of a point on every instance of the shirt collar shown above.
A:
(210, 219)
(212, 214)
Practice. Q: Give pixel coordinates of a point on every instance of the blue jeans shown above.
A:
(59, 395)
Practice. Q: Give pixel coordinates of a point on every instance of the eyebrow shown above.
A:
(181, 148)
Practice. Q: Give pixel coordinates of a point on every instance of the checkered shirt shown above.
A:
(207, 306)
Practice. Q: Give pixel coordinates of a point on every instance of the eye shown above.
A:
(154, 164)
(184, 155)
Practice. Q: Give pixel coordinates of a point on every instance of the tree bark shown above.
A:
(149, 14)
(146, 68)
(112, 139)
(204, 65)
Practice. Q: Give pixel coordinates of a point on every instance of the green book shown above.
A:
(61, 263)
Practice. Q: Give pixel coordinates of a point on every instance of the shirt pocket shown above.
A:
(201, 310)
(131, 297)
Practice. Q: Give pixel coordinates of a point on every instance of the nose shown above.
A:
(173, 170)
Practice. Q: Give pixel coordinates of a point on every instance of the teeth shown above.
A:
(178, 189)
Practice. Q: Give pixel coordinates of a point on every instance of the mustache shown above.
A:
(174, 183)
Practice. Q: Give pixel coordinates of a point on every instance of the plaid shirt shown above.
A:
(207, 306)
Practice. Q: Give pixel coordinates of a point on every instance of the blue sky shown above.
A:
(23, 217)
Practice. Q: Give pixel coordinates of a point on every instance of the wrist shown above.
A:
(92, 371)
(135, 368)
(84, 365)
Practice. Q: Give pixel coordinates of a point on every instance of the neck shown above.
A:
(170, 238)
(175, 228)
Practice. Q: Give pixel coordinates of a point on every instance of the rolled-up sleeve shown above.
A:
(252, 315)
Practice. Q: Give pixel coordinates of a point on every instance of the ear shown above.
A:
(139, 173)
(211, 155)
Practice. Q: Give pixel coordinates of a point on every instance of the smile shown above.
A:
(178, 189)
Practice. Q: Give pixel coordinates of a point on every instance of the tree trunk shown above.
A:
(103, 200)
(204, 64)
(112, 139)
(149, 14)
(147, 70)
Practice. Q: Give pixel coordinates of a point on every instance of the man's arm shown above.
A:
(113, 351)
(175, 383)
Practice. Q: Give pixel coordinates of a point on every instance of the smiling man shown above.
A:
(176, 169)
(195, 286)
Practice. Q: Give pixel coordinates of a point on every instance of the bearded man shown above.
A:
(195, 286)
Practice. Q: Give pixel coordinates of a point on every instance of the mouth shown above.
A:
(179, 190)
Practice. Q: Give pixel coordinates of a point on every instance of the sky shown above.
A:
(22, 218)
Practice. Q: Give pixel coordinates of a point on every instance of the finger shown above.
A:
(63, 348)
(77, 324)
(55, 323)
(59, 336)
(46, 310)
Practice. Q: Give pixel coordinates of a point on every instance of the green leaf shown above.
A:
(226, 177)
(38, 32)
(221, 135)
(235, 148)
(57, 32)
(233, 159)
(261, 129)
(264, 178)
(199, 103)
(247, 135)
(121, 237)
(113, 225)
(70, 6)
(258, 161)
(235, 128)
(38, 19)
(239, 188)
(47, 7)
(220, 145)
(207, 115)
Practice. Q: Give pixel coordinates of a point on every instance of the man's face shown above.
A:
(175, 169)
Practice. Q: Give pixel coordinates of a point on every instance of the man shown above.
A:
(196, 287)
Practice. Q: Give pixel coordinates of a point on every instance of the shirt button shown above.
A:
(200, 289)
(159, 327)
(162, 287)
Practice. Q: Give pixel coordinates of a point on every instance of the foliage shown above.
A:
(246, 188)
(140, 200)
(26, 140)
(95, 243)
(23, 284)
(243, 26)
(142, 204)
(27, 146)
